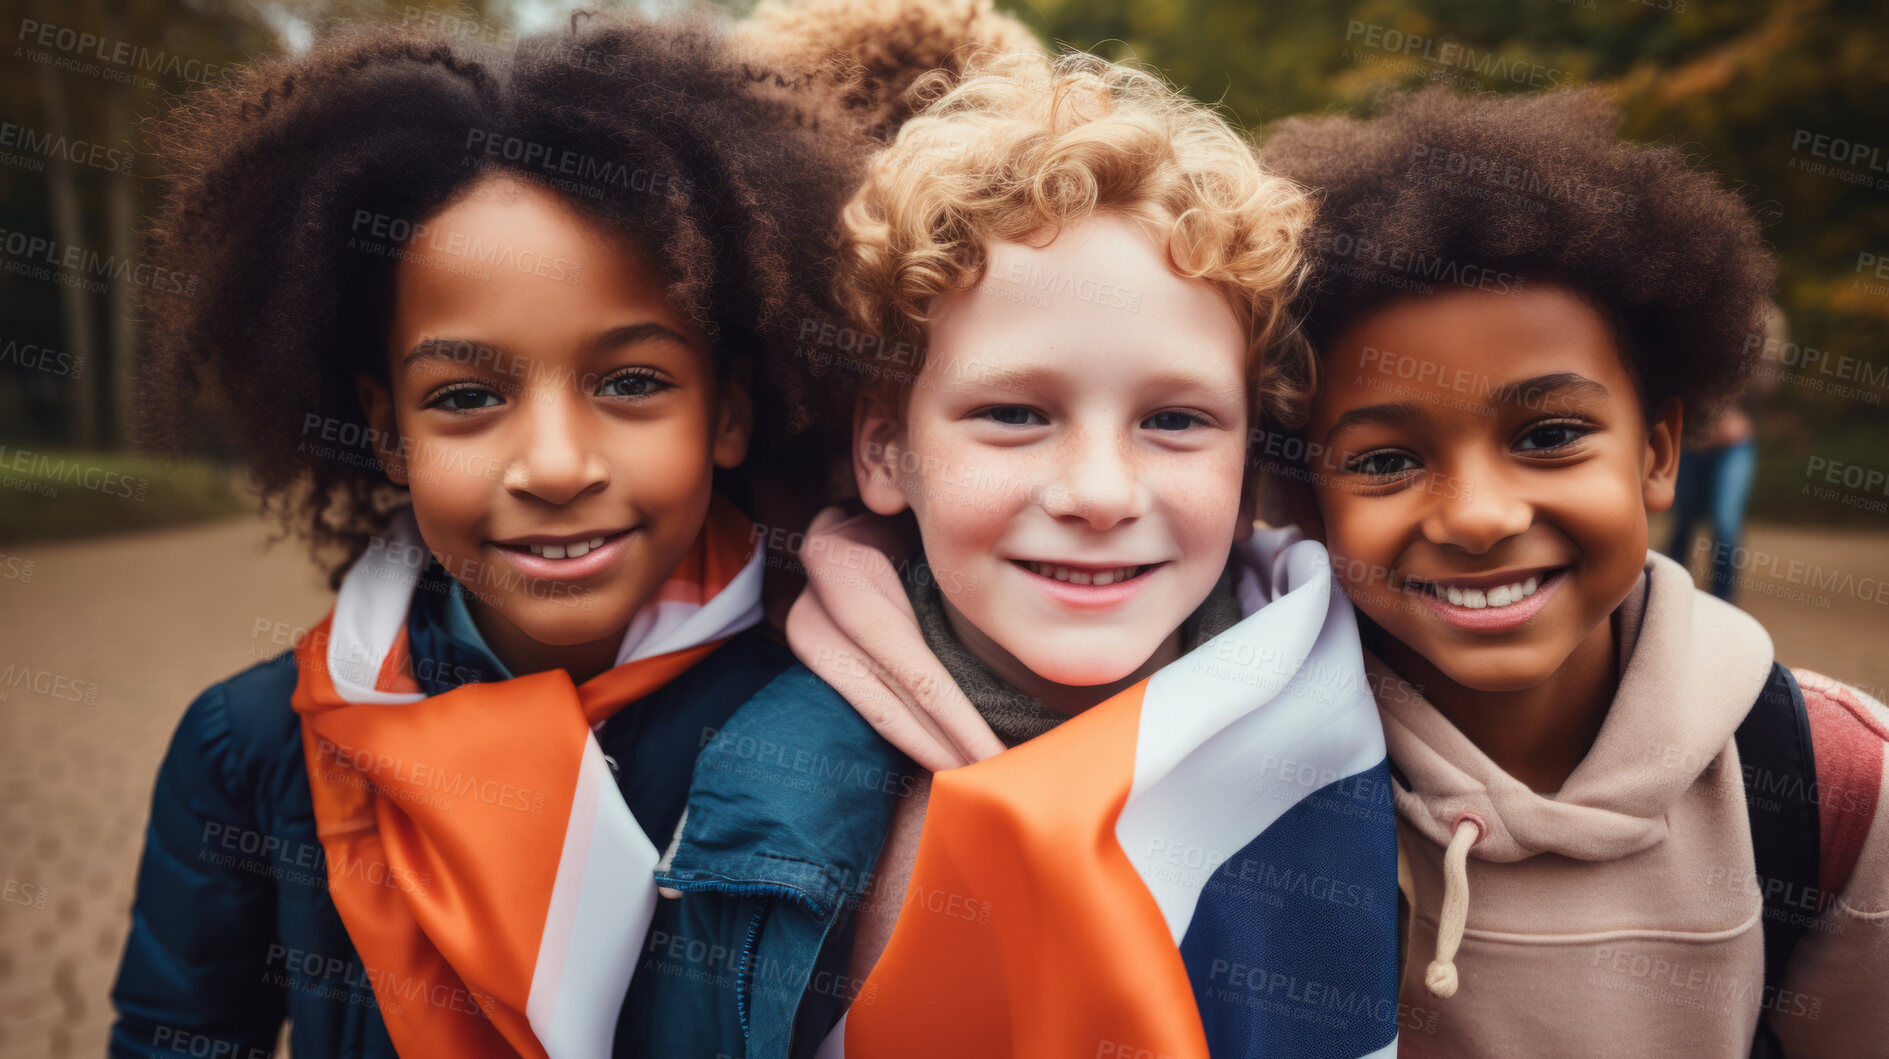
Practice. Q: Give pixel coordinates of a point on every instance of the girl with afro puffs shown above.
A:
(514, 337)
(1626, 827)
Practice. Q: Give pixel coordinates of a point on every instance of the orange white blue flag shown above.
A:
(525, 940)
(1203, 865)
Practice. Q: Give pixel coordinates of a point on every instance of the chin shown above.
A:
(1517, 673)
(570, 626)
(1084, 670)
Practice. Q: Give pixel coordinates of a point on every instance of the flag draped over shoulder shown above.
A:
(479, 851)
(1203, 865)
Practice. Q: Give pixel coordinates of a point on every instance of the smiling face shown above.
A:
(1486, 481)
(558, 423)
(1074, 464)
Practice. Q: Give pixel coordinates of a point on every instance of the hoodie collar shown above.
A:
(1691, 666)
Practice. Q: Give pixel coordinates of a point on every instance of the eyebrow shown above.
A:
(1530, 390)
(1394, 415)
(1022, 378)
(1524, 392)
(636, 334)
(457, 349)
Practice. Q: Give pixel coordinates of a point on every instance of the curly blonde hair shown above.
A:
(1022, 144)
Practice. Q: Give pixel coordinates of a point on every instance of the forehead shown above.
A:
(514, 265)
(1457, 350)
(1101, 289)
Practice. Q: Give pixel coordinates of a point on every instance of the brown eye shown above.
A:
(465, 399)
(1549, 437)
(633, 385)
(1385, 463)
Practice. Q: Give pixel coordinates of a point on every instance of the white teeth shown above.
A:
(566, 551)
(1082, 577)
(1499, 596)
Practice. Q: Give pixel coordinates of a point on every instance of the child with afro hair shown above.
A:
(498, 330)
(1626, 827)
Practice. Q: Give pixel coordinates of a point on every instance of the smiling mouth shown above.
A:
(1485, 596)
(565, 548)
(1097, 576)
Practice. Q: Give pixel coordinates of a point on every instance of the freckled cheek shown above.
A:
(959, 525)
(1200, 494)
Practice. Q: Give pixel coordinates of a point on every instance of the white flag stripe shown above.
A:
(672, 626)
(599, 914)
(371, 609)
(1247, 725)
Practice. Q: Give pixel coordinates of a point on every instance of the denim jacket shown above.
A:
(790, 804)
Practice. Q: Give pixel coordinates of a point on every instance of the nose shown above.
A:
(1475, 512)
(557, 459)
(1098, 481)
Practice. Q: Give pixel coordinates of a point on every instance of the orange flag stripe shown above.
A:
(978, 939)
(500, 800)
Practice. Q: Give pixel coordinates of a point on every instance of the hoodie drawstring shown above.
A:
(1440, 977)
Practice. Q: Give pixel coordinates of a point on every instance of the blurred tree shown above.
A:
(1747, 86)
(108, 70)
(1750, 86)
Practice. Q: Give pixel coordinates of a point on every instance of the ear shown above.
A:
(1662, 457)
(877, 443)
(378, 405)
(735, 425)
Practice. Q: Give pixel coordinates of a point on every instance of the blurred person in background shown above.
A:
(1715, 473)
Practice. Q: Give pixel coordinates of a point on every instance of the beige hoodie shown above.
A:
(1621, 915)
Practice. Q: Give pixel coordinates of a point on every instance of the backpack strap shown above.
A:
(1780, 773)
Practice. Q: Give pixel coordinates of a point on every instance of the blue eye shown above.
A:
(634, 385)
(465, 399)
(1384, 463)
(1551, 437)
(1172, 421)
(1012, 415)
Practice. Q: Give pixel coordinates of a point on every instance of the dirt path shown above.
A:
(1824, 596)
(139, 624)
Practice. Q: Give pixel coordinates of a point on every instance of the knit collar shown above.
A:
(1013, 715)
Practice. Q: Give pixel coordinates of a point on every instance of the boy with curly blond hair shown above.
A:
(1150, 814)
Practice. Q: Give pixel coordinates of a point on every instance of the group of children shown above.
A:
(1034, 744)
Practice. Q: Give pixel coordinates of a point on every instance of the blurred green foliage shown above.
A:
(1746, 86)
